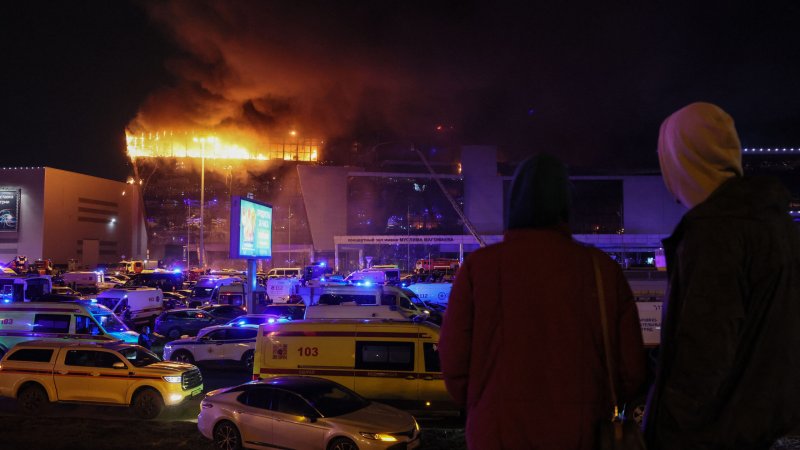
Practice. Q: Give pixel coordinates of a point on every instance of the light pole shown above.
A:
(201, 260)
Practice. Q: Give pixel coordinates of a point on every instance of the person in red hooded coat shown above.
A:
(521, 344)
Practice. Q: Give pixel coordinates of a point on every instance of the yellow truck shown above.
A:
(395, 362)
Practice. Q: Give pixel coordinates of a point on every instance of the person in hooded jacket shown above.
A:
(727, 376)
(521, 345)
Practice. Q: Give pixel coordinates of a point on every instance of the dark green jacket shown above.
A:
(729, 366)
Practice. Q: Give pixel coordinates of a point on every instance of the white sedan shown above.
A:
(303, 413)
(216, 343)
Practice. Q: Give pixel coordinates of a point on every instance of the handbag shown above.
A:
(617, 433)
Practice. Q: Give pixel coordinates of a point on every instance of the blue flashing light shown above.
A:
(94, 300)
(322, 263)
(271, 320)
(367, 283)
(242, 322)
(7, 300)
(322, 279)
(176, 270)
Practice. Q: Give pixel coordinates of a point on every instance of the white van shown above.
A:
(86, 322)
(79, 279)
(280, 272)
(336, 294)
(385, 312)
(144, 303)
(206, 290)
(279, 289)
(392, 362)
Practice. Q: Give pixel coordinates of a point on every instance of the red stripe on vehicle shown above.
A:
(43, 309)
(352, 373)
(369, 334)
(56, 335)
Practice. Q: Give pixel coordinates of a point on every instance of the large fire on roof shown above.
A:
(168, 144)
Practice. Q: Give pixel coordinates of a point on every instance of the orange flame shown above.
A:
(185, 145)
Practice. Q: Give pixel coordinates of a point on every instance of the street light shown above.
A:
(201, 260)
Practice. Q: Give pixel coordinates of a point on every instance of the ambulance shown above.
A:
(80, 321)
(389, 361)
(141, 304)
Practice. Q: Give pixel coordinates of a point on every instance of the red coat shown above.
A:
(521, 344)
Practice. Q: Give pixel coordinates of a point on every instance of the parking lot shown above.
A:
(73, 426)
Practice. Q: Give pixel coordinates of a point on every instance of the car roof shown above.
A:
(298, 384)
(112, 345)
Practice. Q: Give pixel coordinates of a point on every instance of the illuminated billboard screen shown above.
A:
(9, 209)
(251, 229)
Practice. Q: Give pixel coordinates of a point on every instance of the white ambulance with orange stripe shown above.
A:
(58, 321)
(395, 362)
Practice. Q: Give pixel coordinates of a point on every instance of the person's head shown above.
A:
(540, 194)
(698, 150)
(146, 329)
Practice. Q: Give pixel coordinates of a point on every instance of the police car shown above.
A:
(216, 343)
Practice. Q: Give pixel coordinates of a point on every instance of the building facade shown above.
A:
(62, 216)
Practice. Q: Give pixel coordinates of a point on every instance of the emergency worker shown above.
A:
(145, 338)
(727, 374)
(521, 345)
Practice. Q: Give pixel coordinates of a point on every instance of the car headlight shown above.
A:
(378, 436)
(173, 379)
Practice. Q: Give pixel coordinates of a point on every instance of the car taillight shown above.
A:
(256, 377)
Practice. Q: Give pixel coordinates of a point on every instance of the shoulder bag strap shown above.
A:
(601, 297)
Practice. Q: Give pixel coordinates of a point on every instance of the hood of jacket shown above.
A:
(698, 150)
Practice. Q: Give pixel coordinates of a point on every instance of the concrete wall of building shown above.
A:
(649, 208)
(79, 209)
(324, 190)
(27, 240)
(483, 188)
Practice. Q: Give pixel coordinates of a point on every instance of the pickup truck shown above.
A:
(39, 372)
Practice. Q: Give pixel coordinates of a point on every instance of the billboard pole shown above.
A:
(252, 284)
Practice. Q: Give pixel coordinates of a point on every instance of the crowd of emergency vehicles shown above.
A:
(373, 333)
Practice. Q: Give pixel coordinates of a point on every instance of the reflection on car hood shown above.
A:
(189, 340)
(377, 418)
(167, 367)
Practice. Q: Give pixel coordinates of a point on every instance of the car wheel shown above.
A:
(147, 404)
(182, 356)
(173, 334)
(32, 399)
(342, 444)
(227, 437)
(247, 359)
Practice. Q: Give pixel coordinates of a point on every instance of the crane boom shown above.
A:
(467, 223)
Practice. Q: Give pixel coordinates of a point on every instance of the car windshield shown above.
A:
(111, 323)
(332, 401)
(202, 292)
(139, 356)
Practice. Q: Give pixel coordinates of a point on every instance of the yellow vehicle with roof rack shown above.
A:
(39, 372)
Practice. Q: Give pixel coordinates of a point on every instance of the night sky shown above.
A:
(590, 83)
